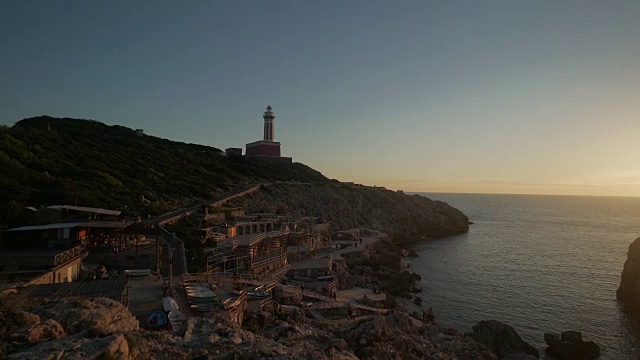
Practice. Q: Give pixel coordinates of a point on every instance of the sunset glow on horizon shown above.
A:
(500, 97)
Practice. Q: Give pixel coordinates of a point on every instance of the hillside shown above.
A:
(405, 217)
(46, 160)
(94, 164)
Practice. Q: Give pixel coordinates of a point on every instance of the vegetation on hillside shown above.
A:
(406, 218)
(45, 160)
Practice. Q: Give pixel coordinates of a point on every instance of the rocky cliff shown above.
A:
(629, 290)
(404, 217)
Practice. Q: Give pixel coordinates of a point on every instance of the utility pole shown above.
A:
(170, 267)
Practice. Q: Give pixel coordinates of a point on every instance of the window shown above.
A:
(63, 233)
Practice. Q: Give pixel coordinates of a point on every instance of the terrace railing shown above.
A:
(271, 256)
(266, 304)
(278, 274)
(69, 255)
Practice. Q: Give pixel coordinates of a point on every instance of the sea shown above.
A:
(538, 263)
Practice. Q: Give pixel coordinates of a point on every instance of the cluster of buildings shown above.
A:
(250, 253)
(50, 250)
(261, 244)
(267, 148)
(251, 256)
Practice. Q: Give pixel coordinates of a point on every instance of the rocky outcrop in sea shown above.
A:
(503, 340)
(629, 290)
(569, 346)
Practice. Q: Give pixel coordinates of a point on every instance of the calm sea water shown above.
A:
(539, 263)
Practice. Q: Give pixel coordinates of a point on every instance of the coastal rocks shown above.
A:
(77, 347)
(570, 346)
(502, 339)
(629, 290)
(398, 336)
(99, 316)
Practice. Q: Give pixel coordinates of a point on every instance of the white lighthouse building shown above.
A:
(269, 118)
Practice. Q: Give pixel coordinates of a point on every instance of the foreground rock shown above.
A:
(77, 347)
(48, 324)
(503, 340)
(570, 346)
(629, 290)
(98, 317)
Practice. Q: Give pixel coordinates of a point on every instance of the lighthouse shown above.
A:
(267, 148)
(268, 117)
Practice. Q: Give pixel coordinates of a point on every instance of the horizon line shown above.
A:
(520, 194)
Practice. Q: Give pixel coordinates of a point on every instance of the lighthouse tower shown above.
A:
(268, 117)
(267, 147)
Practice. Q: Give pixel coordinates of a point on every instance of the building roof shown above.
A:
(263, 142)
(111, 288)
(86, 209)
(319, 263)
(33, 252)
(246, 240)
(89, 224)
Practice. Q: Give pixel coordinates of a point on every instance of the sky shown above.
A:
(527, 97)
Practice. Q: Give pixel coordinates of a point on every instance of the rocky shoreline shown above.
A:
(79, 328)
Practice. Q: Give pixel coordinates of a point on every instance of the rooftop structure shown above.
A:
(233, 152)
(89, 224)
(42, 266)
(86, 209)
(115, 289)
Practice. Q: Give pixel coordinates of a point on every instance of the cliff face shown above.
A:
(405, 217)
(629, 290)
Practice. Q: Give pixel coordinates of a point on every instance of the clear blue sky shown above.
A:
(461, 96)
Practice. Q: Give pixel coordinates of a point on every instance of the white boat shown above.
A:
(200, 294)
(259, 294)
(176, 319)
(204, 307)
(137, 272)
(197, 288)
(169, 304)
